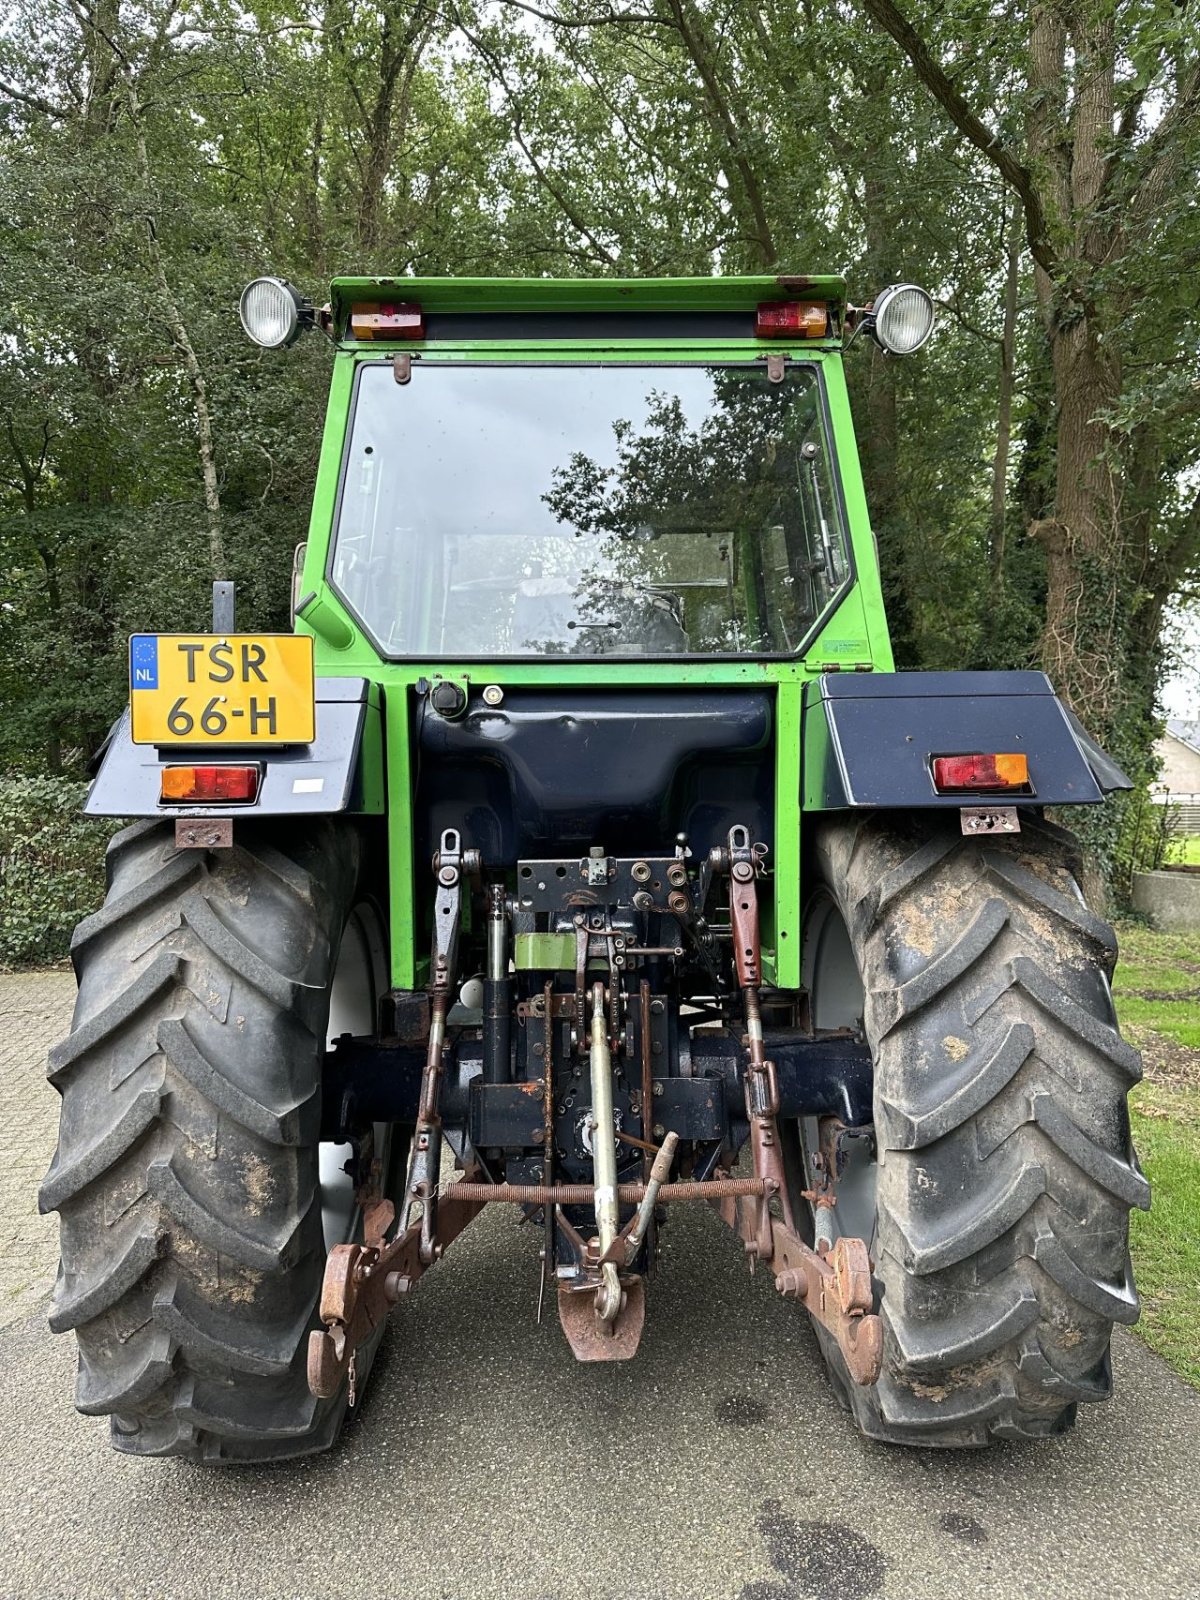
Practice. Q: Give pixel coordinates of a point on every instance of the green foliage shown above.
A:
(1183, 850)
(1155, 988)
(1129, 835)
(1166, 1242)
(152, 161)
(51, 867)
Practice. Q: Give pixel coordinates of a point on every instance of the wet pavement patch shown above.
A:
(740, 1411)
(823, 1560)
(961, 1527)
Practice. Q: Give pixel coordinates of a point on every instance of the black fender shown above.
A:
(870, 738)
(341, 770)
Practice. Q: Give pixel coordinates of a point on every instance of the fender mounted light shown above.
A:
(209, 785)
(980, 774)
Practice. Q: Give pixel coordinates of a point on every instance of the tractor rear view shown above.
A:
(581, 853)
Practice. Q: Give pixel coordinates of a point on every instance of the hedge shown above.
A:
(51, 867)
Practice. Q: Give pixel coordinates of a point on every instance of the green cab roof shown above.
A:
(585, 294)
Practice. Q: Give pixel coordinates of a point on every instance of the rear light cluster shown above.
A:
(774, 319)
(981, 773)
(387, 322)
(791, 319)
(210, 785)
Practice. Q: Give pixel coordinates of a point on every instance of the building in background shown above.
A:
(1178, 782)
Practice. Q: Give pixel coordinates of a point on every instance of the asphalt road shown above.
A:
(486, 1463)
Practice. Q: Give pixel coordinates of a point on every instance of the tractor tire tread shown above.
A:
(184, 1179)
(1006, 1170)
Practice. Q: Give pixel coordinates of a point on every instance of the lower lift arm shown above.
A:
(834, 1283)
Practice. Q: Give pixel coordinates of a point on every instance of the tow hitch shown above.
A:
(601, 1298)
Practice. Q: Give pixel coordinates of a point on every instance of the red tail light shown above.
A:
(791, 319)
(978, 773)
(387, 322)
(211, 785)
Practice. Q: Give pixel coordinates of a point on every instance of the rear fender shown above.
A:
(869, 739)
(341, 771)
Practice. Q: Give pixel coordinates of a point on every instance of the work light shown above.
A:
(901, 319)
(273, 313)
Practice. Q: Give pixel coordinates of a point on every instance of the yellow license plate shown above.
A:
(210, 688)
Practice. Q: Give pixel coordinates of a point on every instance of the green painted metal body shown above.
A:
(854, 636)
(501, 295)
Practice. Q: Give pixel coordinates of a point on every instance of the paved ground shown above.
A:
(35, 1010)
(486, 1463)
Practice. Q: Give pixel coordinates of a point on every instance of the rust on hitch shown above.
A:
(592, 1339)
(363, 1281)
(836, 1292)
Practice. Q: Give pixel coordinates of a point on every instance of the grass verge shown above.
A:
(1184, 849)
(1157, 993)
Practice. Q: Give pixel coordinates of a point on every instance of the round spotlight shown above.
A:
(272, 312)
(901, 319)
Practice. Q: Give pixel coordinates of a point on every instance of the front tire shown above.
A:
(188, 1171)
(996, 1207)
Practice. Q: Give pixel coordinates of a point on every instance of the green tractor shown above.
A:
(581, 852)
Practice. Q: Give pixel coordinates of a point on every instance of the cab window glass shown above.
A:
(595, 511)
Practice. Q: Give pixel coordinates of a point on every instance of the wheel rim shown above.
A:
(836, 996)
(358, 977)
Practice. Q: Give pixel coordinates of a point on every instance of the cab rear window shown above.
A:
(506, 511)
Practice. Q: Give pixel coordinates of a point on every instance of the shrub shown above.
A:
(1143, 834)
(51, 867)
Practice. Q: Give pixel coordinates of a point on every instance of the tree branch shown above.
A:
(1187, 405)
(692, 32)
(607, 19)
(561, 199)
(936, 80)
(1161, 153)
(1174, 560)
(35, 102)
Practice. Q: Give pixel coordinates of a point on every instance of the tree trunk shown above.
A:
(746, 189)
(1004, 399)
(401, 42)
(1087, 597)
(183, 343)
(1085, 179)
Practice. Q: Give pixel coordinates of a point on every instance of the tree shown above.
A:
(1103, 172)
(1031, 475)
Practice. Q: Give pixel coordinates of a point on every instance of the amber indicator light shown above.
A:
(387, 322)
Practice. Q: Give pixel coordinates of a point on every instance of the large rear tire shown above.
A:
(188, 1174)
(996, 1196)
